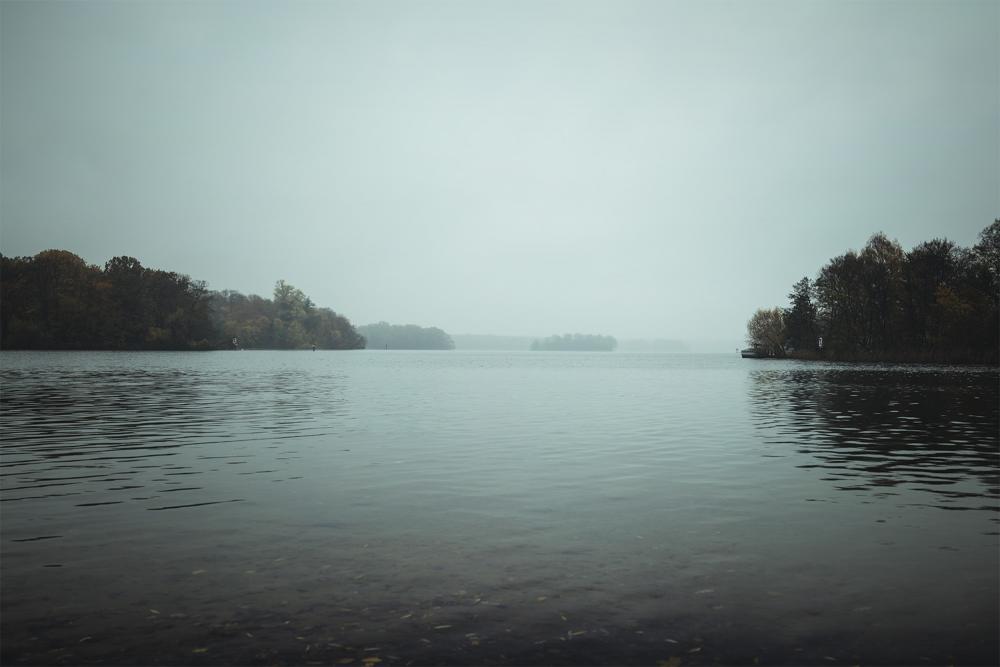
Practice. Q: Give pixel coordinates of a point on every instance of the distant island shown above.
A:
(56, 301)
(385, 336)
(939, 302)
(575, 343)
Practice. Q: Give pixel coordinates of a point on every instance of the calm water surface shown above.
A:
(488, 508)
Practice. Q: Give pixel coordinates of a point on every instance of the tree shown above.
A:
(839, 309)
(988, 252)
(929, 267)
(128, 318)
(290, 302)
(766, 331)
(882, 281)
(800, 319)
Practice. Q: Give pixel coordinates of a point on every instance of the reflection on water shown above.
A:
(476, 508)
(885, 430)
(118, 434)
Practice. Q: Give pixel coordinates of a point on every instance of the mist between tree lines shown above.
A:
(938, 302)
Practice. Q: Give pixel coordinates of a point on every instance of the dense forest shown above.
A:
(575, 342)
(385, 336)
(56, 301)
(939, 302)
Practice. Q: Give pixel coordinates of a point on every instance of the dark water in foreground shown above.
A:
(384, 508)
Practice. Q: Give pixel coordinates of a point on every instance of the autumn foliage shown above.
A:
(938, 302)
(56, 301)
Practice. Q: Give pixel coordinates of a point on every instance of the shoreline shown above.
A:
(894, 358)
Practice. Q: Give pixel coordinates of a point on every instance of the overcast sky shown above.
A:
(640, 169)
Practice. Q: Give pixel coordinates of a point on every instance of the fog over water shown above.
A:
(642, 169)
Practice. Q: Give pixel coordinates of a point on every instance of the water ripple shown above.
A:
(929, 430)
(63, 422)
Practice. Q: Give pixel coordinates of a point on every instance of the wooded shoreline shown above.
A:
(56, 301)
(937, 303)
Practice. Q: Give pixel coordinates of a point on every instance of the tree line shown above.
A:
(939, 302)
(55, 300)
(575, 342)
(385, 336)
(289, 320)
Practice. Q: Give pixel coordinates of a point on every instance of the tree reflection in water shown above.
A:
(888, 429)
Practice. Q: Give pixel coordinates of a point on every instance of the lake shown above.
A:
(377, 507)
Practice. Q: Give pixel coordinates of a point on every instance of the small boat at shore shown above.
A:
(753, 353)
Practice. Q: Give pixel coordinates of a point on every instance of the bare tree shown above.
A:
(766, 331)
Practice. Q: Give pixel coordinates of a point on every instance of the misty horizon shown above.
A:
(640, 168)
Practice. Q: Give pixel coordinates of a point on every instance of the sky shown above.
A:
(640, 169)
